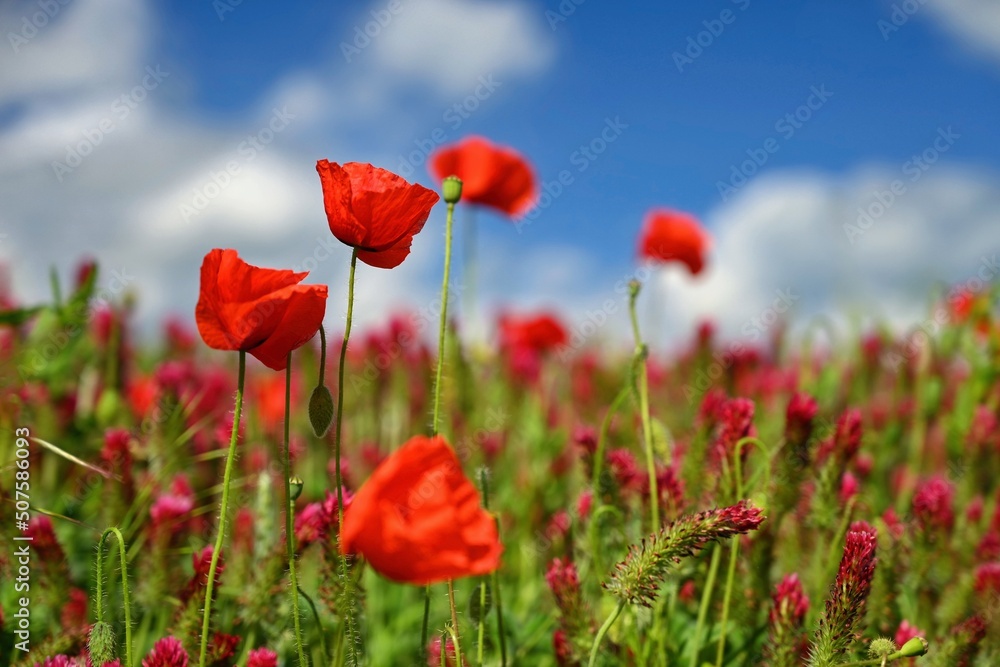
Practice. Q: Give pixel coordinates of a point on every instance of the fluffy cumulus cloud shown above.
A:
(450, 44)
(59, 50)
(809, 245)
(95, 162)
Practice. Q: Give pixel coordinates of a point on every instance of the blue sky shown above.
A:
(884, 80)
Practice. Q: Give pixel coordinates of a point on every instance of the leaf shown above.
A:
(18, 316)
(75, 311)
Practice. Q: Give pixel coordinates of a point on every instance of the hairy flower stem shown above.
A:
(347, 609)
(499, 603)
(593, 526)
(482, 621)
(494, 584)
(469, 267)
(733, 553)
(443, 328)
(892, 657)
(125, 596)
(641, 353)
(223, 509)
(435, 419)
(454, 621)
(290, 518)
(603, 631)
(319, 624)
(426, 622)
(484, 483)
(340, 388)
(706, 598)
(322, 355)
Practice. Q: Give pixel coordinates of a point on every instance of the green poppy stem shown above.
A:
(452, 188)
(706, 599)
(125, 595)
(319, 625)
(454, 621)
(735, 548)
(340, 386)
(322, 355)
(443, 328)
(641, 353)
(425, 625)
(290, 518)
(469, 269)
(484, 484)
(603, 631)
(348, 612)
(223, 510)
(494, 582)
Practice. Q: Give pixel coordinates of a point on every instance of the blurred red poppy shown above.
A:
(492, 175)
(374, 210)
(672, 236)
(539, 333)
(265, 312)
(969, 306)
(418, 520)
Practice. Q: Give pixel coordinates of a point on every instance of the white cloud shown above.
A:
(74, 48)
(451, 43)
(789, 234)
(974, 22)
(264, 199)
(122, 203)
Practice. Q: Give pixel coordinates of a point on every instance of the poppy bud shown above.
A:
(914, 647)
(320, 410)
(295, 484)
(477, 609)
(101, 643)
(451, 189)
(881, 647)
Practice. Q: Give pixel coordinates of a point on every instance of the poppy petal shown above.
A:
(374, 210)
(302, 317)
(492, 175)
(418, 518)
(674, 236)
(262, 311)
(388, 206)
(337, 195)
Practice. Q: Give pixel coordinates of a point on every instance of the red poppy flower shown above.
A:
(418, 520)
(672, 236)
(539, 333)
(265, 312)
(374, 210)
(967, 305)
(491, 175)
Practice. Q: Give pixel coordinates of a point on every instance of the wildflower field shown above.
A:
(260, 485)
